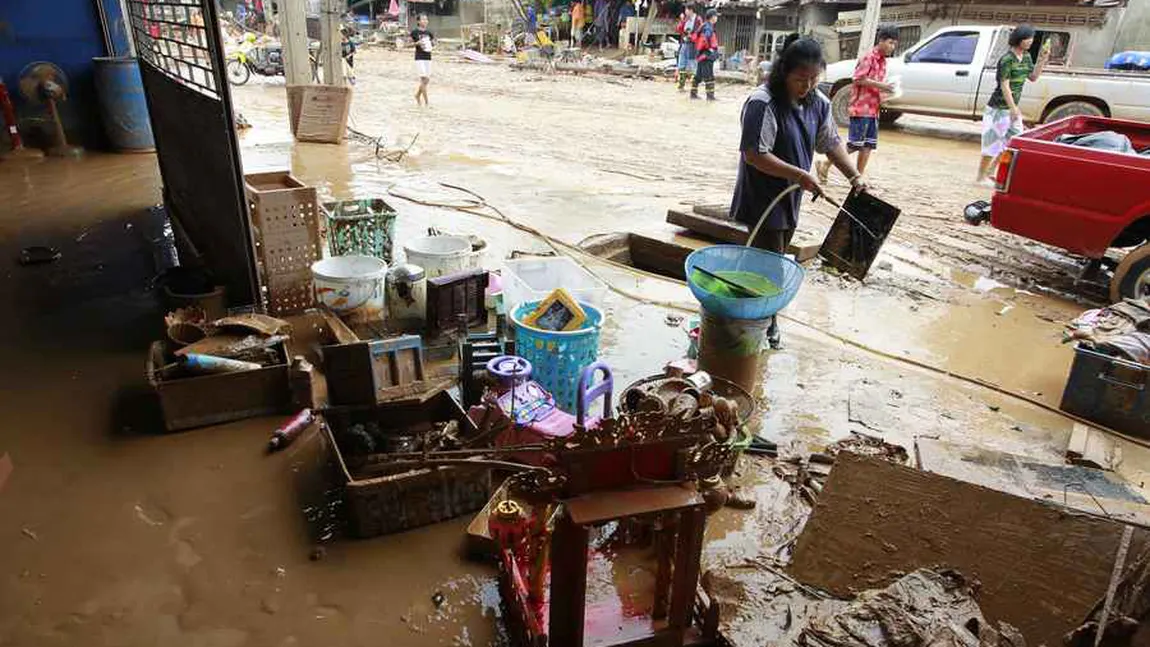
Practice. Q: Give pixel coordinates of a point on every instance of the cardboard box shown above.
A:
(318, 113)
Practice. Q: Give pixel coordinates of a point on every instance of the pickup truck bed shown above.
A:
(1084, 200)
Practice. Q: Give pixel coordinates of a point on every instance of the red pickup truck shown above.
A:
(1084, 200)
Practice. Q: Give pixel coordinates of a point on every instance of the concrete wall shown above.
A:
(67, 33)
(1134, 30)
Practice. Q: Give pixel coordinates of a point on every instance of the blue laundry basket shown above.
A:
(558, 358)
(785, 273)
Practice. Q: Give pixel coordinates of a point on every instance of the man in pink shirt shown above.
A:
(866, 97)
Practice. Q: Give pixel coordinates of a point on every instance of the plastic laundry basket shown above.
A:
(558, 358)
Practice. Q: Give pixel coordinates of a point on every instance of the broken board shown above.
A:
(1076, 486)
(1041, 567)
(1091, 447)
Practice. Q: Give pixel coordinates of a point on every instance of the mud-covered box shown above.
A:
(381, 499)
(1109, 391)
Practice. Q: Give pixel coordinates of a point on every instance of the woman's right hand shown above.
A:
(809, 182)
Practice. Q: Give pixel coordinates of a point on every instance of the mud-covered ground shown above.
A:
(116, 534)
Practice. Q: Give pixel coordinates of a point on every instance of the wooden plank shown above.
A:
(1041, 567)
(726, 230)
(601, 507)
(720, 211)
(720, 229)
(685, 580)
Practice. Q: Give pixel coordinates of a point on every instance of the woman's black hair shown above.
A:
(1021, 33)
(790, 39)
(800, 53)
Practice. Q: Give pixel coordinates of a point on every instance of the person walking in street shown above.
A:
(577, 21)
(866, 96)
(689, 23)
(784, 123)
(1002, 118)
(707, 46)
(626, 11)
(602, 24)
(424, 43)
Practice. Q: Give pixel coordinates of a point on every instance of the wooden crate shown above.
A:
(213, 399)
(371, 372)
(285, 228)
(394, 503)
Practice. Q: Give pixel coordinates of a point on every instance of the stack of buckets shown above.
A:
(734, 328)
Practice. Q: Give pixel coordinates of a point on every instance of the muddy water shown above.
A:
(115, 534)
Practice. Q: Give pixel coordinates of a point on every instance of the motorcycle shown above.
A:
(264, 59)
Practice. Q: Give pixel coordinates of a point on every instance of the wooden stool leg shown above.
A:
(688, 552)
(568, 583)
(664, 554)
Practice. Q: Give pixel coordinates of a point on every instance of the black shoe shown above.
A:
(774, 336)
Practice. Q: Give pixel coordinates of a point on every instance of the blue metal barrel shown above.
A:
(122, 104)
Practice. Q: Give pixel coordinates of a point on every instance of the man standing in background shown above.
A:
(707, 44)
(577, 21)
(688, 23)
(424, 42)
(866, 97)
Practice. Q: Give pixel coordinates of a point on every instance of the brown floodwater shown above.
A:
(117, 534)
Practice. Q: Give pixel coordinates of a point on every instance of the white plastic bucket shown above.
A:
(352, 286)
(441, 255)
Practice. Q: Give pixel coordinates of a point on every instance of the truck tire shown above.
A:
(1132, 278)
(888, 117)
(1072, 108)
(841, 106)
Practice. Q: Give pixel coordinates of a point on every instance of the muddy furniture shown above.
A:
(602, 475)
(679, 514)
(382, 498)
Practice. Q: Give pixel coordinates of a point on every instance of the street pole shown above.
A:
(869, 26)
(293, 37)
(330, 19)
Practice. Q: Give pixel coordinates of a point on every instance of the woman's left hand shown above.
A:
(859, 183)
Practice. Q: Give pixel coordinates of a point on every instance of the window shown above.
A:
(908, 36)
(952, 48)
(1059, 46)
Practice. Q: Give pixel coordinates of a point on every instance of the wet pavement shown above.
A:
(116, 534)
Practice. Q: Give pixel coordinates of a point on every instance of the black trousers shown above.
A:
(705, 74)
(773, 240)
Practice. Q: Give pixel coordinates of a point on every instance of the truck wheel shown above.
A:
(1072, 108)
(841, 106)
(1132, 278)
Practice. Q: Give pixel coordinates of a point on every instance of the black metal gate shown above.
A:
(182, 65)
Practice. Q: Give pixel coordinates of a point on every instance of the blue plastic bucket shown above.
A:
(123, 108)
(558, 358)
(785, 273)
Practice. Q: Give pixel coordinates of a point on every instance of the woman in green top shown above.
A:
(1003, 116)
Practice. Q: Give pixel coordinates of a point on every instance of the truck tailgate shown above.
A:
(1074, 197)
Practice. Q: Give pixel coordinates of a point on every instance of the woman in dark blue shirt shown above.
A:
(785, 122)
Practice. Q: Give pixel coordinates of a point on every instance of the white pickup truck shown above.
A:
(952, 74)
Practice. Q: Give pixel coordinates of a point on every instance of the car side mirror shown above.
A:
(906, 57)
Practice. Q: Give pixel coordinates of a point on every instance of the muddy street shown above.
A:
(115, 533)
